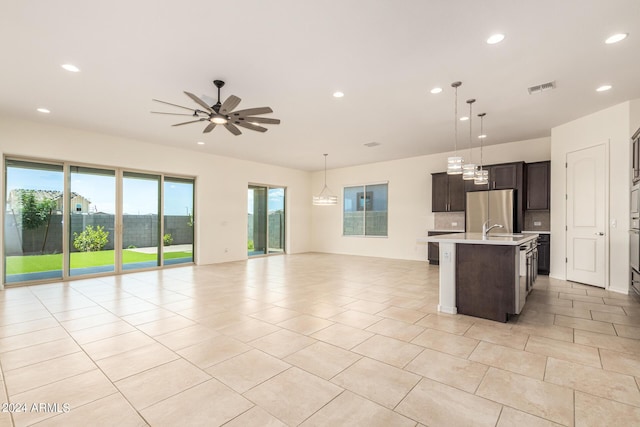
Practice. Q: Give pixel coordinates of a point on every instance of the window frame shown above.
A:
(363, 208)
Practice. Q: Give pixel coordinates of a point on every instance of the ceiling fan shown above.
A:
(223, 114)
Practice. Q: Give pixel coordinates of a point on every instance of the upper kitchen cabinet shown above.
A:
(635, 156)
(503, 176)
(506, 176)
(447, 193)
(538, 185)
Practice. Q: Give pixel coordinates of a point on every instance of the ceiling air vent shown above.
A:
(542, 87)
(372, 144)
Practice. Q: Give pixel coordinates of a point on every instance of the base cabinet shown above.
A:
(544, 253)
(486, 280)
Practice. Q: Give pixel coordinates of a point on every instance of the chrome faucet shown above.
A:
(486, 229)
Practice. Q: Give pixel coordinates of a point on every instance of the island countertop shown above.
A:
(479, 239)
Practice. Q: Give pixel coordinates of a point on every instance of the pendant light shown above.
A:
(325, 198)
(454, 163)
(482, 175)
(469, 169)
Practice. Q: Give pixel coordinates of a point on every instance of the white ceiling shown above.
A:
(291, 55)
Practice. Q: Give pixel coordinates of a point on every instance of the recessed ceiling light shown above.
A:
(464, 118)
(603, 88)
(482, 136)
(338, 94)
(495, 38)
(616, 38)
(43, 110)
(70, 67)
(436, 90)
(200, 143)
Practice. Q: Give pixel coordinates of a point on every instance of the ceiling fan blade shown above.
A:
(251, 126)
(172, 114)
(175, 105)
(199, 101)
(233, 129)
(209, 128)
(228, 106)
(252, 111)
(265, 120)
(186, 123)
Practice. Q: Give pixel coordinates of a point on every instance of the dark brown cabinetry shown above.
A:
(544, 253)
(635, 156)
(447, 193)
(502, 177)
(482, 291)
(538, 185)
(433, 249)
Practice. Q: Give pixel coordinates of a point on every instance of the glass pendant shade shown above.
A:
(482, 177)
(454, 165)
(469, 171)
(325, 198)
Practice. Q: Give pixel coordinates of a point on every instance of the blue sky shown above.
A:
(275, 202)
(139, 196)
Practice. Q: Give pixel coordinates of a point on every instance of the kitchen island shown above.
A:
(481, 275)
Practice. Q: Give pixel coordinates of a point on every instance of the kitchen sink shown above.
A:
(504, 235)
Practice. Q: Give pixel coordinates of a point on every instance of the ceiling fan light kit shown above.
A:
(222, 113)
(325, 198)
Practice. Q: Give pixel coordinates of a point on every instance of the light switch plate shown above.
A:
(454, 224)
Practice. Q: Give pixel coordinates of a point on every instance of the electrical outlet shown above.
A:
(537, 223)
(454, 224)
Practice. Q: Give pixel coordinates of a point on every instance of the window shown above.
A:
(365, 210)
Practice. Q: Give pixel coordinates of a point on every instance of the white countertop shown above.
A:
(477, 238)
(538, 232)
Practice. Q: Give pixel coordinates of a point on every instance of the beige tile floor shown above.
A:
(312, 339)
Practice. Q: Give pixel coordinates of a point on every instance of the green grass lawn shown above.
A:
(37, 263)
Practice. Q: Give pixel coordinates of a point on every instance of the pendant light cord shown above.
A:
(325, 170)
(482, 136)
(455, 86)
(470, 102)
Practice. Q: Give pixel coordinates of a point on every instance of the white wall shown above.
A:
(409, 199)
(613, 127)
(221, 182)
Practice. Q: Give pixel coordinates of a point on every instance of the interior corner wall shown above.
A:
(409, 204)
(613, 127)
(221, 182)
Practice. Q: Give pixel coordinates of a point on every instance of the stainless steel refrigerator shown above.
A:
(495, 206)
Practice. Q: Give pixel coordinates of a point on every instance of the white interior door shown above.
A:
(586, 216)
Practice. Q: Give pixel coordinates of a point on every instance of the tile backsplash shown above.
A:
(537, 221)
(453, 221)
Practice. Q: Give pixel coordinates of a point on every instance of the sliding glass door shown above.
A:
(140, 221)
(266, 220)
(116, 220)
(92, 216)
(177, 240)
(33, 243)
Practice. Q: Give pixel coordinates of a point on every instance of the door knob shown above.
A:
(599, 233)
